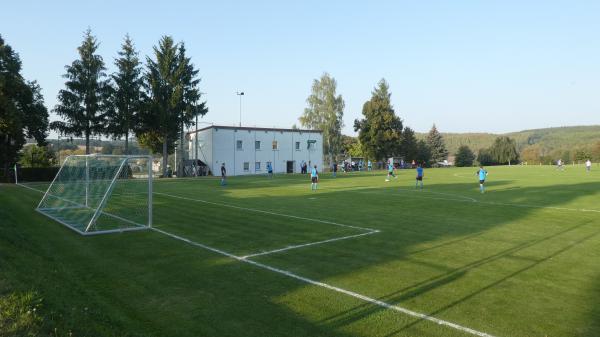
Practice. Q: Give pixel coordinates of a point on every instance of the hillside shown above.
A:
(547, 140)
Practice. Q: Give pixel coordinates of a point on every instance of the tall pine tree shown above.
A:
(172, 98)
(189, 106)
(86, 98)
(436, 144)
(122, 117)
(325, 112)
(380, 131)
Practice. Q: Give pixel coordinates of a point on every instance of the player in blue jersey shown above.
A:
(314, 178)
(482, 173)
(270, 169)
(419, 176)
(390, 171)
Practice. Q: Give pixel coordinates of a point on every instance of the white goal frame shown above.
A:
(89, 227)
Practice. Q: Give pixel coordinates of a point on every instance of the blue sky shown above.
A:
(467, 66)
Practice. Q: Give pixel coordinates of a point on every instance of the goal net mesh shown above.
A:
(95, 194)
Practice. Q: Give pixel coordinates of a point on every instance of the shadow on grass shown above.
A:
(411, 223)
(410, 220)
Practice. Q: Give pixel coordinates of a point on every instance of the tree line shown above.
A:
(381, 133)
(154, 102)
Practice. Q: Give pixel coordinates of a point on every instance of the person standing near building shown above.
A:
(335, 167)
(314, 178)
(270, 170)
(419, 176)
(482, 175)
(223, 175)
(588, 165)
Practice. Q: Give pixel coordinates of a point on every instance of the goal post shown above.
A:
(96, 194)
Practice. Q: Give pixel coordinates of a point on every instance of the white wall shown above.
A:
(222, 143)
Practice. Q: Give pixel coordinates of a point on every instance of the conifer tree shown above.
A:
(380, 131)
(86, 97)
(127, 96)
(436, 144)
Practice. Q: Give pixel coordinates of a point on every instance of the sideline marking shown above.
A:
(331, 287)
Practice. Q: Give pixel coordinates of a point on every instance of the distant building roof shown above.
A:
(253, 128)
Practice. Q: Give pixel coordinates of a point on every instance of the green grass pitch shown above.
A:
(358, 257)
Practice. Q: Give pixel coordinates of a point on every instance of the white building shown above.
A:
(247, 150)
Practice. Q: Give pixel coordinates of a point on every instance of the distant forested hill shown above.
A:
(549, 143)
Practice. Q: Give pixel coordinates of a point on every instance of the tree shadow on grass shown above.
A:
(324, 262)
(411, 224)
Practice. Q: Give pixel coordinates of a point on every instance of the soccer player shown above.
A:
(223, 175)
(559, 165)
(314, 178)
(419, 176)
(270, 170)
(390, 171)
(482, 173)
(370, 165)
(335, 167)
(588, 165)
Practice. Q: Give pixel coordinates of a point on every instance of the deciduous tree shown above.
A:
(325, 112)
(504, 150)
(22, 110)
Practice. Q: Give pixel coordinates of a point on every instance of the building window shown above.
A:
(297, 146)
(275, 145)
(257, 145)
(257, 166)
(246, 166)
(239, 145)
(311, 144)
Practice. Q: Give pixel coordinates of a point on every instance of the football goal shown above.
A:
(95, 194)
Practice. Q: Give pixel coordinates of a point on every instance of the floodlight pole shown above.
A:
(240, 93)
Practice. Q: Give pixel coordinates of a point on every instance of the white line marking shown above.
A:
(307, 280)
(333, 288)
(267, 212)
(309, 244)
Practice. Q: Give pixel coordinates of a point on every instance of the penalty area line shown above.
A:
(365, 298)
(309, 244)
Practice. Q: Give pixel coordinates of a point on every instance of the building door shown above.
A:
(290, 166)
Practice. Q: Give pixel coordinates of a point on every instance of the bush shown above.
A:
(37, 173)
(464, 157)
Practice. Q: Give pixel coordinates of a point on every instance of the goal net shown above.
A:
(94, 194)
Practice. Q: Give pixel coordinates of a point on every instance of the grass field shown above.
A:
(359, 257)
